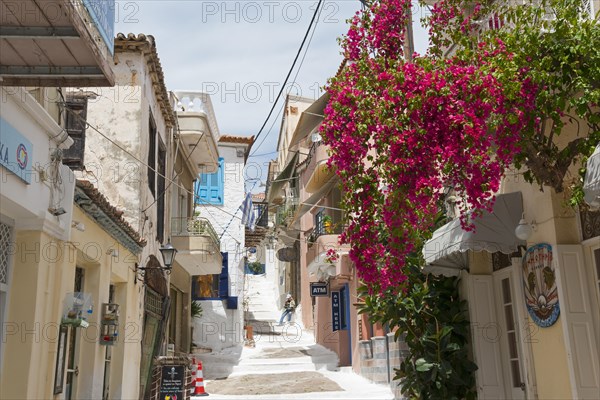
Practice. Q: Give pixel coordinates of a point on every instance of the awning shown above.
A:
(282, 178)
(310, 119)
(494, 232)
(315, 198)
(321, 268)
(591, 183)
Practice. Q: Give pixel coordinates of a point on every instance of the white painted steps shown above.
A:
(261, 296)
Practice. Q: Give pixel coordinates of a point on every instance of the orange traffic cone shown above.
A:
(200, 381)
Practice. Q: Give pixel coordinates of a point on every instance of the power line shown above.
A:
(290, 71)
(171, 181)
(293, 82)
(269, 131)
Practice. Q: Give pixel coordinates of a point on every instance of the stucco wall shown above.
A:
(27, 204)
(46, 273)
(122, 114)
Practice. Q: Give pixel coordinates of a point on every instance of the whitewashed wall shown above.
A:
(219, 327)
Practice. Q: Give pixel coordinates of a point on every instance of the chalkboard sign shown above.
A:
(172, 382)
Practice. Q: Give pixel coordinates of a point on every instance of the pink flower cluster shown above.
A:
(400, 132)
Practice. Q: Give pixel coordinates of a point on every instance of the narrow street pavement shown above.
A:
(286, 363)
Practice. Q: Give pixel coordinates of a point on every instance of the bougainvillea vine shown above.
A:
(401, 132)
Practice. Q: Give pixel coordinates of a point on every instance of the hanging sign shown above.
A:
(319, 289)
(287, 254)
(539, 284)
(335, 310)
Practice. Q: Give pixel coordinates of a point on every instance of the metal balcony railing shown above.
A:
(185, 226)
(325, 225)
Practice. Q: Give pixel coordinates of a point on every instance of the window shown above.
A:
(209, 188)
(75, 124)
(152, 155)
(5, 246)
(212, 287)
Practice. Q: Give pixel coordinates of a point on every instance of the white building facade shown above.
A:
(219, 199)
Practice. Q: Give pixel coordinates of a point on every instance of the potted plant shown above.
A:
(327, 224)
(255, 267)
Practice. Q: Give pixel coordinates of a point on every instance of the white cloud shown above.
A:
(241, 51)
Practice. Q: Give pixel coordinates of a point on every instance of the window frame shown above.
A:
(204, 182)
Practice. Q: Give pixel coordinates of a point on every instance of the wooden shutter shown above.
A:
(160, 215)
(575, 309)
(210, 187)
(485, 334)
(76, 115)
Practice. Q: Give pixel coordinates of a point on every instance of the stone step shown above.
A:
(286, 365)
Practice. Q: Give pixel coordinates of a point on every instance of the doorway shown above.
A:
(510, 319)
(73, 344)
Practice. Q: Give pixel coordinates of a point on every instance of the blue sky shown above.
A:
(241, 51)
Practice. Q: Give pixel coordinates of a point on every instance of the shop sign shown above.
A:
(172, 382)
(335, 310)
(539, 284)
(286, 254)
(319, 289)
(16, 152)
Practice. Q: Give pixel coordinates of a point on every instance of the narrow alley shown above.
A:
(287, 362)
(281, 360)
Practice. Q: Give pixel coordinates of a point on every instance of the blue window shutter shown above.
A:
(209, 189)
(224, 277)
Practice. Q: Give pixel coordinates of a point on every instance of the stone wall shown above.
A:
(380, 356)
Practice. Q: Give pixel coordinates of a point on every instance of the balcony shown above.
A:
(285, 212)
(319, 172)
(198, 245)
(319, 266)
(57, 43)
(198, 128)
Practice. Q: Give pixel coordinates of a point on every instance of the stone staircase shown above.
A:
(263, 312)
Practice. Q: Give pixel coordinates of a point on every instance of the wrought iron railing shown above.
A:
(184, 226)
(325, 224)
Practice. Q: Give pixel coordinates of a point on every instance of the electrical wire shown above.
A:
(290, 71)
(294, 80)
(151, 168)
(268, 132)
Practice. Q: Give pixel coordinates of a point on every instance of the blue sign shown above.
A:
(319, 289)
(335, 310)
(16, 152)
(103, 15)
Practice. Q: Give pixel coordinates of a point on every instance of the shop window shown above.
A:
(5, 246)
(212, 287)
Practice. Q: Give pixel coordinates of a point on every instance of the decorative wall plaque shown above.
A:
(539, 284)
